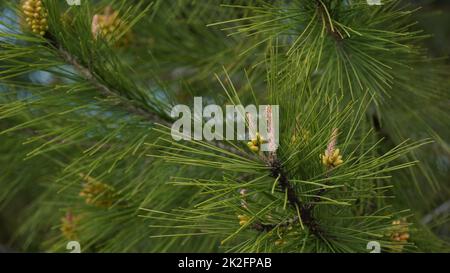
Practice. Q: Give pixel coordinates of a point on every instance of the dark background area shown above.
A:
(434, 18)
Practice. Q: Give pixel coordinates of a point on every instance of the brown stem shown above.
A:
(306, 212)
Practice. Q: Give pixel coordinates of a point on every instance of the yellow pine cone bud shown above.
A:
(400, 230)
(243, 219)
(108, 25)
(69, 226)
(35, 16)
(97, 193)
(399, 234)
(252, 147)
(332, 160)
(255, 143)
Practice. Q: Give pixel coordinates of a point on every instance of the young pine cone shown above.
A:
(35, 16)
(399, 235)
(108, 26)
(96, 193)
(69, 226)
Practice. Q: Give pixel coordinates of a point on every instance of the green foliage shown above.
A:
(83, 114)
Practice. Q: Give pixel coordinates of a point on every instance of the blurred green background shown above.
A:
(434, 18)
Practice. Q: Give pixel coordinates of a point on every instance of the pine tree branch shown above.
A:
(269, 227)
(324, 14)
(305, 210)
(318, 196)
(128, 105)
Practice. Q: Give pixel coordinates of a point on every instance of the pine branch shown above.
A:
(128, 105)
(107, 91)
(324, 15)
(306, 212)
(360, 211)
(269, 227)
